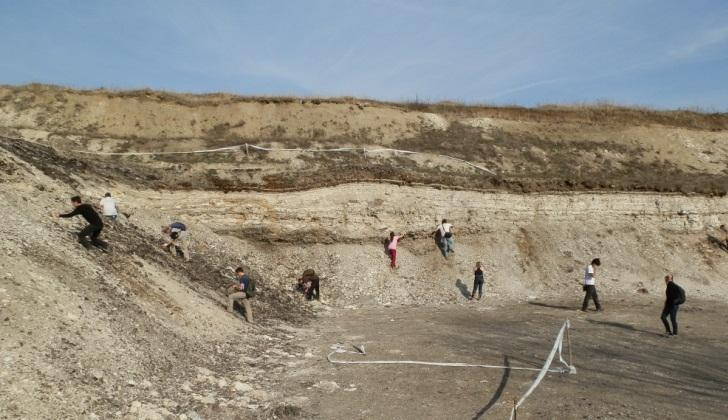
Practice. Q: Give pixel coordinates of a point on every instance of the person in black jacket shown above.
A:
(309, 284)
(478, 282)
(95, 225)
(674, 297)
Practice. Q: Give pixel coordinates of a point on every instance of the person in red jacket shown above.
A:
(392, 248)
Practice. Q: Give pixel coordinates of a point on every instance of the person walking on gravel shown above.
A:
(109, 207)
(95, 225)
(478, 281)
(178, 239)
(392, 248)
(242, 292)
(674, 297)
(590, 287)
(445, 232)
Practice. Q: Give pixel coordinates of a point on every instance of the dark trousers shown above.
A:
(313, 289)
(477, 285)
(91, 231)
(672, 311)
(591, 293)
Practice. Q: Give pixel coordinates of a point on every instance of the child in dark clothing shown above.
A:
(478, 281)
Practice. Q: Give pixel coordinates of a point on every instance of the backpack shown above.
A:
(178, 225)
(681, 299)
(250, 290)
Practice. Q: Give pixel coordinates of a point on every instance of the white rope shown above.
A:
(557, 347)
(188, 152)
(546, 368)
(339, 348)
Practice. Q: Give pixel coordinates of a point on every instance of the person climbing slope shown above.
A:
(95, 225)
(392, 248)
(445, 232)
(242, 292)
(109, 207)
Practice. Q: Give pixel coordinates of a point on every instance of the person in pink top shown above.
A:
(392, 248)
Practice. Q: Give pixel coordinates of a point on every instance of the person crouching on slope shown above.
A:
(109, 206)
(178, 238)
(95, 225)
(242, 292)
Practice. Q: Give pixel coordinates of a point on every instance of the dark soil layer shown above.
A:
(574, 166)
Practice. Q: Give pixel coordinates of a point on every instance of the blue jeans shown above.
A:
(447, 245)
(672, 311)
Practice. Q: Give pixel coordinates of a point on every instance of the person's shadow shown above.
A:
(498, 392)
(717, 242)
(463, 288)
(622, 326)
(549, 305)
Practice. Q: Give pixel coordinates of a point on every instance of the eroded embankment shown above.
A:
(531, 244)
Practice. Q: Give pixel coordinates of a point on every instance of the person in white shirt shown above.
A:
(590, 285)
(445, 232)
(109, 207)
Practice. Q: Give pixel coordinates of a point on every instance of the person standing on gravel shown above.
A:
(242, 292)
(674, 297)
(178, 238)
(590, 287)
(478, 281)
(392, 248)
(95, 225)
(446, 241)
(109, 207)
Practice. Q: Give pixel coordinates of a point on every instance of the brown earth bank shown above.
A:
(572, 148)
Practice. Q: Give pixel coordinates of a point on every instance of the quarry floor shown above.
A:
(626, 368)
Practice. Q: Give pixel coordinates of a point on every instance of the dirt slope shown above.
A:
(543, 149)
(132, 333)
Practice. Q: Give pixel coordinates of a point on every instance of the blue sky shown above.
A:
(660, 53)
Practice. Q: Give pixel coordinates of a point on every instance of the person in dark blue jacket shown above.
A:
(674, 297)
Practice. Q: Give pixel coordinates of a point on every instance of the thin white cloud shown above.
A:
(524, 87)
(705, 40)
